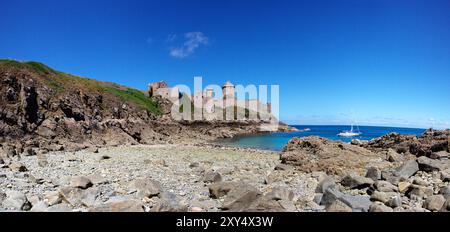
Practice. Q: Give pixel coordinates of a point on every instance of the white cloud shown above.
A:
(192, 40)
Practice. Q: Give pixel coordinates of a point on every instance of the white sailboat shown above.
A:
(350, 133)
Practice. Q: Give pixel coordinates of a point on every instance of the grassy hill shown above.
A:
(62, 84)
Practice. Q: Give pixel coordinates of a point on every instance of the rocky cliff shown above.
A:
(44, 107)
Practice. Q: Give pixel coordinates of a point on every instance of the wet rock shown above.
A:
(338, 206)
(16, 200)
(211, 177)
(80, 182)
(434, 203)
(354, 181)
(17, 167)
(378, 207)
(373, 173)
(146, 187)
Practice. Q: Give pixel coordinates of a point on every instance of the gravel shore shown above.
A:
(183, 171)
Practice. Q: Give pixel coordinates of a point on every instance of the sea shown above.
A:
(276, 141)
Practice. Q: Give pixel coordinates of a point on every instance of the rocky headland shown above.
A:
(75, 144)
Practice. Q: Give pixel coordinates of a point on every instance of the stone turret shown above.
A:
(228, 90)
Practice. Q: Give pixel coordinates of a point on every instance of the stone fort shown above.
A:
(207, 100)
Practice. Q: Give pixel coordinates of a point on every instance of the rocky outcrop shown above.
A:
(318, 154)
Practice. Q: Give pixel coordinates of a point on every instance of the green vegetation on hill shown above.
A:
(60, 82)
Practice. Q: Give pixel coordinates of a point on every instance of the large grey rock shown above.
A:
(80, 182)
(16, 200)
(40, 206)
(146, 187)
(354, 181)
(358, 203)
(408, 169)
(434, 203)
(429, 165)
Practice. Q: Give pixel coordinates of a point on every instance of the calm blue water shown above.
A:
(276, 141)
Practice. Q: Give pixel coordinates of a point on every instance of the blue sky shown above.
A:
(383, 62)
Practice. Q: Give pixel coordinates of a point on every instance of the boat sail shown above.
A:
(350, 133)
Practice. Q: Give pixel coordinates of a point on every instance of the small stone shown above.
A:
(373, 173)
(146, 187)
(325, 184)
(194, 165)
(394, 201)
(97, 179)
(119, 204)
(17, 167)
(445, 191)
(393, 156)
(104, 157)
(434, 203)
(80, 182)
(42, 159)
(354, 181)
(239, 199)
(211, 177)
(16, 200)
(338, 206)
(445, 175)
(52, 198)
(283, 167)
(403, 187)
(318, 198)
(30, 152)
(280, 193)
(196, 209)
(385, 186)
(420, 191)
(378, 207)
(420, 181)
